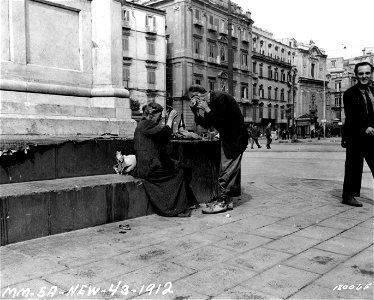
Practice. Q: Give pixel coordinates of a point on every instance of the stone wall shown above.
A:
(61, 68)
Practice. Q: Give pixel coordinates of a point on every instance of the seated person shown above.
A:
(165, 184)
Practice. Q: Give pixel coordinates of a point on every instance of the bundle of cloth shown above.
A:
(125, 163)
(184, 134)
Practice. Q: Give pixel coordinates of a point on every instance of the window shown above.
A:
(270, 73)
(198, 80)
(312, 70)
(276, 112)
(197, 14)
(244, 61)
(126, 76)
(269, 92)
(338, 86)
(244, 92)
(333, 63)
(338, 100)
(276, 93)
(211, 20)
(150, 21)
(125, 43)
(126, 15)
(283, 76)
(211, 50)
(282, 112)
(289, 95)
(261, 70)
(212, 84)
(150, 47)
(276, 74)
(151, 76)
(282, 95)
(261, 91)
(261, 111)
(254, 89)
(269, 112)
(289, 76)
(254, 67)
(223, 53)
(197, 45)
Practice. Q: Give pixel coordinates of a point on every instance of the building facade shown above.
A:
(273, 73)
(198, 48)
(144, 53)
(311, 93)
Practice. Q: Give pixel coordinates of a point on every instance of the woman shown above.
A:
(165, 184)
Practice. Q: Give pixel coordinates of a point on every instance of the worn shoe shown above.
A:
(352, 202)
(217, 208)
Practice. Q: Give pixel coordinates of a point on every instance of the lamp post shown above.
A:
(294, 71)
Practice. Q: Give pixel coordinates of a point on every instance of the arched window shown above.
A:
(269, 92)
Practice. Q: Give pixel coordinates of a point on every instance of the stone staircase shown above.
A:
(55, 185)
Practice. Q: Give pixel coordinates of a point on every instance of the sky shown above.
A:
(331, 24)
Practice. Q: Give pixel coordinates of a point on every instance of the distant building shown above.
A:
(198, 51)
(273, 72)
(310, 102)
(144, 53)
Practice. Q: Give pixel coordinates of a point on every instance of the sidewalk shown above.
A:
(288, 239)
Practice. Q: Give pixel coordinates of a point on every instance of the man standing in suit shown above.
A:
(358, 132)
(220, 110)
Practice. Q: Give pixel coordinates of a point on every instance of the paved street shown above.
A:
(288, 237)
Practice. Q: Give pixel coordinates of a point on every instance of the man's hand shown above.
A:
(203, 105)
(369, 131)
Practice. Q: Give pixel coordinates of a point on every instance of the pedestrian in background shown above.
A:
(255, 135)
(220, 110)
(268, 136)
(358, 132)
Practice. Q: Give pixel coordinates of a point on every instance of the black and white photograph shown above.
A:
(186, 149)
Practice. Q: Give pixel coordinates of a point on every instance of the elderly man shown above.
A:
(358, 132)
(220, 110)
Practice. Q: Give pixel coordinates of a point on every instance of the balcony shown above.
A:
(212, 60)
(198, 22)
(151, 86)
(235, 65)
(150, 29)
(151, 58)
(255, 75)
(245, 68)
(223, 31)
(212, 27)
(126, 24)
(127, 54)
(198, 56)
(245, 38)
(234, 35)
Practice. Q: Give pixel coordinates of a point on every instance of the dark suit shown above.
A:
(359, 145)
(226, 117)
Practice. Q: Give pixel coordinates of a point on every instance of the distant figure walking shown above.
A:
(255, 133)
(358, 132)
(268, 136)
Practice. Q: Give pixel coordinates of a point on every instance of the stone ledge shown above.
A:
(41, 208)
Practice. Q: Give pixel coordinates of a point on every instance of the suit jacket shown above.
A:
(149, 145)
(226, 117)
(356, 117)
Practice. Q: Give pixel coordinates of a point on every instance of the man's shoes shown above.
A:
(217, 208)
(352, 202)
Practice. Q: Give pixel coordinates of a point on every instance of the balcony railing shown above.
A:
(212, 27)
(245, 68)
(126, 24)
(127, 53)
(223, 31)
(198, 22)
(212, 60)
(150, 29)
(198, 56)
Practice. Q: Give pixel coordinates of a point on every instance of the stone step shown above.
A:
(59, 156)
(35, 209)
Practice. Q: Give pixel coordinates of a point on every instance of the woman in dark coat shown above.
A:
(164, 183)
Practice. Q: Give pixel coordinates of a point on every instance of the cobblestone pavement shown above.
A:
(288, 237)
